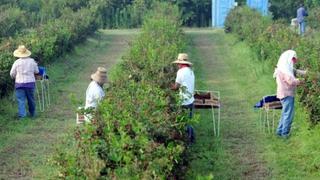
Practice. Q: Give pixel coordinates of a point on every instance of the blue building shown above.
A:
(259, 5)
(220, 10)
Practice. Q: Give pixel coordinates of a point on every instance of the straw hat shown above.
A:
(182, 59)
(21, 52)
(100, 76)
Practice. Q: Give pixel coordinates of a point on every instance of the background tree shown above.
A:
(286, 9)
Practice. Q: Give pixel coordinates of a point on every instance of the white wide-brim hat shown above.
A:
(100, 76)
(182, 59)
(21, 52)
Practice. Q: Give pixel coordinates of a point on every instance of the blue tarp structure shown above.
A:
(259, 5)
(267, 99)
(220, 10)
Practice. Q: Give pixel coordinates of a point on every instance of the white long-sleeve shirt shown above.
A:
(94, 94)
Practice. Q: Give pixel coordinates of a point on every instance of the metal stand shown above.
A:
(216, 123)
(265, 118)
(43, 94)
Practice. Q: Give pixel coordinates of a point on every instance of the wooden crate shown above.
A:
(205, 100)
(80, 116)
(273, 105)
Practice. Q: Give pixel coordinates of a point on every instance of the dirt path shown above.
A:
(237, 153)
(26, 147)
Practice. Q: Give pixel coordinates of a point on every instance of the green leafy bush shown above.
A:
(138, 128)
(12, 20)
(49, 40)
(313, 18)
(247, 23)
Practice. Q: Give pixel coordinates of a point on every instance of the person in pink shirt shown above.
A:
(23, 71)
(286, 85)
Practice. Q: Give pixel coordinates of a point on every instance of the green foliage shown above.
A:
(313, 18)
(126, 14)
(138, 129)
(49, 40)
(312, 3)
(129, 14)
(111, 13)
(195, 12)
(286, 9)
(274, 38)
(249, 19)
(11, 20)
(241, 2)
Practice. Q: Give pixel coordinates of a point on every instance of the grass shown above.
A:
(244, 152)
(26, 147)
(236, 152)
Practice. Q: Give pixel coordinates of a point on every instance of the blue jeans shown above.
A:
(190, 130)
(302, 26)
(286, 116)
(22, 94)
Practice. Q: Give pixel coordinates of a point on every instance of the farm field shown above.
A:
(244, 151)
(221, 62)
(26, 147)
(223, 65)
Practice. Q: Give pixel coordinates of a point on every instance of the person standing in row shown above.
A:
(286, 85)
(23, 71)
(185, 82)
(301, 14)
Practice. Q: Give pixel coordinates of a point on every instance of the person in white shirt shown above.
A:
(184, 82)
(23, 71)
(95, 93)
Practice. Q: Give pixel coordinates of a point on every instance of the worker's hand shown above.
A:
(174, 86)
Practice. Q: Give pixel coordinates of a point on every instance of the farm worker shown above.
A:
(185, 83)
(301, 13)
(23, 71)
(286, 85)
(94, 92)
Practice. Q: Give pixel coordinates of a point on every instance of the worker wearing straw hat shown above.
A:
(95, 93)
(185, 83)
(23, 71)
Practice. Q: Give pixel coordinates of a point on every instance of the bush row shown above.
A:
(138, 130)
(49, 40)
(17, 16)
(270, 38)
(11, 21)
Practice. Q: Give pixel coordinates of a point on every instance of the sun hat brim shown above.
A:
(18, 54)
(181, 62)
(100, 79)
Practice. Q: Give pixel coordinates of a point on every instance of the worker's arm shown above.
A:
(300, 72)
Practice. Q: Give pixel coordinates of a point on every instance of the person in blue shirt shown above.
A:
(301, 14)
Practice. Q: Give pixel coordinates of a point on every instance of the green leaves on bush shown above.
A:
(49, 40)
(138, 128)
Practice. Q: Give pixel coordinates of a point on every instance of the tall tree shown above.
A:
(286, 9)
(195, 12)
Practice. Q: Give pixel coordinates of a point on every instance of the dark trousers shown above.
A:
(189, 129)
